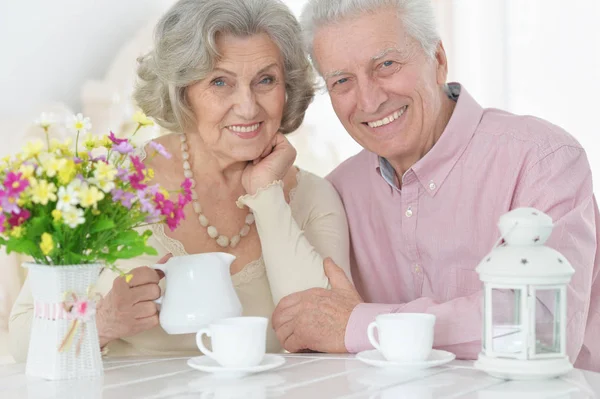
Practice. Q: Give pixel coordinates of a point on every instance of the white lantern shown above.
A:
(524, 301)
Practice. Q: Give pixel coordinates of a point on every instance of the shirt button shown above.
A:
(409, 212)
(417, 268)
(432, 185)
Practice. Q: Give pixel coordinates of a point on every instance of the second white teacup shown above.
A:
(237, 342)
(403, 337)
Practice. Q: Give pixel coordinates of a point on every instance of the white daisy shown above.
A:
(79, 123)
(45, 120)
(73, 217)
(67, 198)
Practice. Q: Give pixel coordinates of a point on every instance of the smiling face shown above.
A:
(239, 105)
(384, 88)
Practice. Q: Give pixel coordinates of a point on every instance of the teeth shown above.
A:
(388, 119)
(244, 129)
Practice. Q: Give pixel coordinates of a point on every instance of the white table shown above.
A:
(303, 376)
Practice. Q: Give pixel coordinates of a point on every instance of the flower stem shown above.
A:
(77, 145)
(136, 129)
(47, 138)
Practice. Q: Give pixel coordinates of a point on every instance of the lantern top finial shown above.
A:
(523, 258)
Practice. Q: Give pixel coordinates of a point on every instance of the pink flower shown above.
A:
(159, 148)
(83, 309)
(15, 184)
(2, 220)
(187, 189)
(137, 164)
(136, 180)
(18, 219)
(116, 140)
(174, 218)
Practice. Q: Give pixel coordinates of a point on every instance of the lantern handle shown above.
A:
(497, 243)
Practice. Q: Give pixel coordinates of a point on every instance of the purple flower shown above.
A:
(146, 205)
(8, 203)
(123, 148)
(77, 160)
(137, 181)
(153, 217)
(127, 199)
(18, 219)
(152, 190)
(159, 148)
(98, 158)
(116, 140)
(117, 194)
(123, 174)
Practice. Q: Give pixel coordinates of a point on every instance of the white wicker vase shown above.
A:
(49, 326)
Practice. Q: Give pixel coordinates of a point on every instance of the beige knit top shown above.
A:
(295, 238)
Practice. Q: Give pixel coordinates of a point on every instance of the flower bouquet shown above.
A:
(75, 208)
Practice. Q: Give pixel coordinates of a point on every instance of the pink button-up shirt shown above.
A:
(415, 249)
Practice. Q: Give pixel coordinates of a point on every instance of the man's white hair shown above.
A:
(417, 17)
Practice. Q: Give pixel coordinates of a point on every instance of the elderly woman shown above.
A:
(229, 78)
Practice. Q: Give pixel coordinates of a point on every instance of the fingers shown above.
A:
(335, 274)
(293, 344)
(284, 331)
(147, 323)
(145, 309)
(284, 315)
(143, 275)
(146, 292)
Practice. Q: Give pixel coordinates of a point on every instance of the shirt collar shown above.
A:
(434, 167)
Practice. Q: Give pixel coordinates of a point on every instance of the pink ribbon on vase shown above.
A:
(79, 310)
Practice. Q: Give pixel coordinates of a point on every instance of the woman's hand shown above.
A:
(273, 164)
(128, 308)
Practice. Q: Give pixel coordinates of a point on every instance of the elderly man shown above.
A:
(424, 197)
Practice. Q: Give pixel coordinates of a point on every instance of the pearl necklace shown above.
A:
(212, 231)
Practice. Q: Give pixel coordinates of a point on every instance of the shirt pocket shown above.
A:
(462, 282)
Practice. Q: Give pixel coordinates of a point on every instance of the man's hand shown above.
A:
(128, 308)
(316, 319)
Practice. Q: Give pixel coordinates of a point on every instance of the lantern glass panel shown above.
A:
(547, 321)
(507, 326)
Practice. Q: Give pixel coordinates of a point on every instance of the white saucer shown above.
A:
(436, 358)
(209, 365)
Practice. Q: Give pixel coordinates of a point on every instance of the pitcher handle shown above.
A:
(162, 268)
(371, 335)
(200, 344)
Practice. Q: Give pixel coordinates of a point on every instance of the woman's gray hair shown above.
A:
(185, 52)
(417, 16)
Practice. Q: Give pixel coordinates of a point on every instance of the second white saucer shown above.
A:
(436, 358)
(209, 365)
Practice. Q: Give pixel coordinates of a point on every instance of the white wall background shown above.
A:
(49, 48)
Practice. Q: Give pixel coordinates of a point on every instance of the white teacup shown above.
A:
(236, 342)
(403, 337)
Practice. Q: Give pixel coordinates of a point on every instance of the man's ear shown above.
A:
(442, 64)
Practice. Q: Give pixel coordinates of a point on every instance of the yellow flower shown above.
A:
(90, 141)
(67, 172)
(164, 192)
(105, 171)
(56, 215)
(52, 165)
(47, 244)
(105, 141)
(17, 232)
(89, 196)
(42, 192)
(27, 171)
(142, 119)
(33, 148)
(149, 174)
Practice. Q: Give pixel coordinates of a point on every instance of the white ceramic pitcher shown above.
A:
(198, 291)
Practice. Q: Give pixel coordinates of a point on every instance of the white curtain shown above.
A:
(533, 57)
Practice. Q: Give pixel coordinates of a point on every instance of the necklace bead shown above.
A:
(211, 230)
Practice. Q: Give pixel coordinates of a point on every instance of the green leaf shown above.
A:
(102, 224)
(126, 238)
(38, 226)
(150, 251)
(22, 246)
